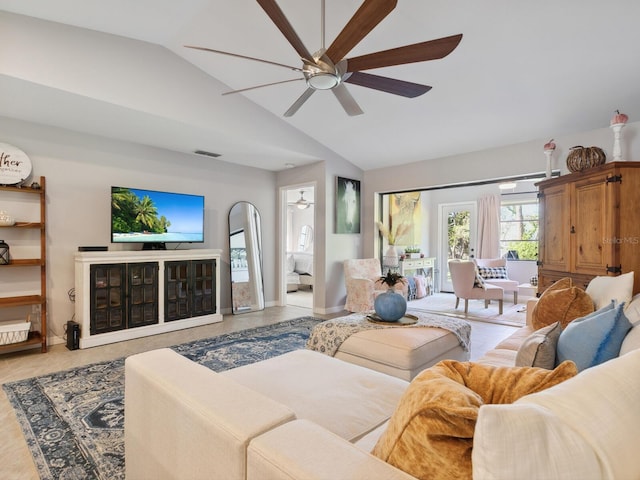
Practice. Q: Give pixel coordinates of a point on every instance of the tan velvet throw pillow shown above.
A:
(561, 302)
(430, 434)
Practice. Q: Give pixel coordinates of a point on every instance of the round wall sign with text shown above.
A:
(15, 166)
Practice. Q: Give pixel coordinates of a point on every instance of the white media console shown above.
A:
(121, 295)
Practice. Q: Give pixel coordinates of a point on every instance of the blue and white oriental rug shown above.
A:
(73, 421)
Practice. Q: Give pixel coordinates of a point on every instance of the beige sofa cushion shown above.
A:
(513, 341)
(343, 398)
(303, 450)
(430, 435)
(586, 428)
(183, 420)
(562, 303)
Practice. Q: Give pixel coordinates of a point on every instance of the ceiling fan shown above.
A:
(302, 202)
(327, 69)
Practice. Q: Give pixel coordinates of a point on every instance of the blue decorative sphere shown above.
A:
(390, 306)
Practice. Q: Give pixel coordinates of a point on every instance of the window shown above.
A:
(519, 229)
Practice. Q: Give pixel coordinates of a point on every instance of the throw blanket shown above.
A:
(327, 337)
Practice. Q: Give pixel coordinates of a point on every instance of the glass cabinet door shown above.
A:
(176, 278)
(203, 281)
(190, 287)
(143, 294)
(107, 298)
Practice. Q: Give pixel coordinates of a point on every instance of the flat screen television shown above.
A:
(155, 218)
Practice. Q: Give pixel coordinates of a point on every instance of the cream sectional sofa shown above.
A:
(306, 415)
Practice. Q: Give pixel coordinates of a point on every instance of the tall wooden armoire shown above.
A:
(590, 225)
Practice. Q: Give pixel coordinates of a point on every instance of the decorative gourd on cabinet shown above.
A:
(583, 158)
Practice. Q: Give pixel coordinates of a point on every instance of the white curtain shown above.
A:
(489, 226)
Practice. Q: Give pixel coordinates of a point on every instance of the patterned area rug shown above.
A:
(73, 420)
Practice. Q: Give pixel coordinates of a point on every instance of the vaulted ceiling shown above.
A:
(523, 71)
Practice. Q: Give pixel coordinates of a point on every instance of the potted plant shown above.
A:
(412, 252)
(391, 306)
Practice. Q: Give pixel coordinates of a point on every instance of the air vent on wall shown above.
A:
(207, 154)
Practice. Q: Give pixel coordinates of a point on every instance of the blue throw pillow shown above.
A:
(593, 339)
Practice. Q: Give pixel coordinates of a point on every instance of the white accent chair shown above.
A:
(499, 264)
(362, 281)
(463, 278)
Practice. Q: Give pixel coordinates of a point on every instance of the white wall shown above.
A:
(511, 160)
(80, 170)
(331, 249)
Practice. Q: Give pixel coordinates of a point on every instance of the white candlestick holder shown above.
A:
(617, 135)
(549, 155)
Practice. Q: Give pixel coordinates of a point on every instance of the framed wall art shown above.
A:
(347, 205)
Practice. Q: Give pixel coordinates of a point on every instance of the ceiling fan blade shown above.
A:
(298, 103)
(296, 69)
(418, 52)
(370, 14)
(347, 101)
(277, 17)
(261, 86)
(388, 85)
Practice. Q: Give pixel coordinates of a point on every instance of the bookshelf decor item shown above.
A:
(6, 220)
(15, 166)
(4, 253)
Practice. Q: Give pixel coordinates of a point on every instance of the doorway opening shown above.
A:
(457, 228)
(299, 246)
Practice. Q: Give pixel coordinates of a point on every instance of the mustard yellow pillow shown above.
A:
(561, 302)
(430, 434)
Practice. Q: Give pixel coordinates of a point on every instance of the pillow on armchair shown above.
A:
(430, 434)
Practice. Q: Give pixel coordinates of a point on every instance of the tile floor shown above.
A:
(15, 459)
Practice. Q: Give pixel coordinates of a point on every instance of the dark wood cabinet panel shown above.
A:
(123, 295)
(190, 288)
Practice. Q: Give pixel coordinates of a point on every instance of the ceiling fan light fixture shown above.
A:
(506, 185)
(302, 203)
(322, 81)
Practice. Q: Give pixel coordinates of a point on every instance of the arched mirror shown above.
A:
(245, 250)
(305, 240)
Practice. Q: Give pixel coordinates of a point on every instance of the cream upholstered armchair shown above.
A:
(494, 272)
(467, 285)
(362, 280)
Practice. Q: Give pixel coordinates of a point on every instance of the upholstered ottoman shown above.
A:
(402, 351)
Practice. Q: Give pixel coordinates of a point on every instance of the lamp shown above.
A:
(4, 253)
(507, 185)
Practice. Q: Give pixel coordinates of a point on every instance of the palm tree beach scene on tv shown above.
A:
(148, 216)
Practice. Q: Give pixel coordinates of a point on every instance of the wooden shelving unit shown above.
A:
(36, 338)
